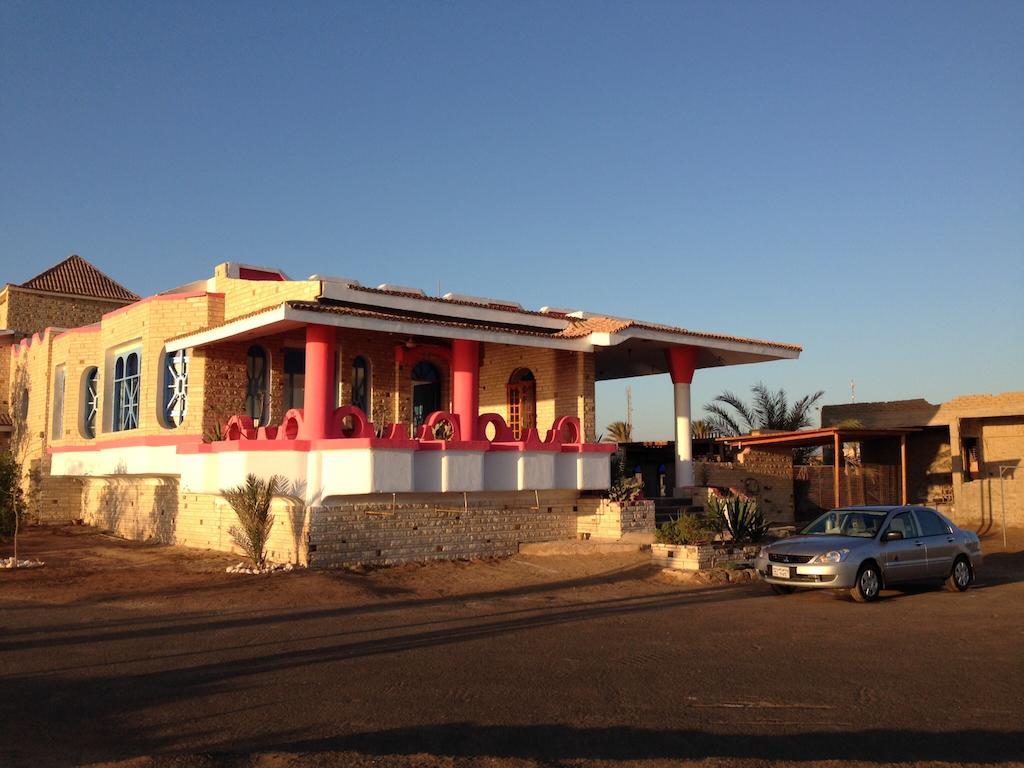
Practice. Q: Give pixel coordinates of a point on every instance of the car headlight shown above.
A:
(835, 556)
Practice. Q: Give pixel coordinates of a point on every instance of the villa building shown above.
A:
(404, 425)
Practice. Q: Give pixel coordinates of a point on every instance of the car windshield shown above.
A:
(862, 523)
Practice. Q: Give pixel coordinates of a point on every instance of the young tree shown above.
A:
(10, 498)
(251, 502)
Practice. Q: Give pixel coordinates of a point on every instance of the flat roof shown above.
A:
(810, 437)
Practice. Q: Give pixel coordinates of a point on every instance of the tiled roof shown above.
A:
(77, 276)
(384, 314)
(577, 328)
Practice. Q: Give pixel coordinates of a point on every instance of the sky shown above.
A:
(845, 176)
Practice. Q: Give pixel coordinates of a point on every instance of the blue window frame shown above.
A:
(126, 392)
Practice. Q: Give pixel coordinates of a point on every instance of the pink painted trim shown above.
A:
(454, 445)
(233, 446)
(346, 443)
(249, 273)
(162, 297)
(149, 441)
(80, 329)
(525, 447)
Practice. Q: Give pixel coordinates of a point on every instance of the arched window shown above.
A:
(426, 391)
(175, 405)
(90, 401)
(256, 385)
(361, 384)
(126, 392)
(521, 397)
(57, 430)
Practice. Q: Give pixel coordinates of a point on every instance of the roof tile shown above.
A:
(78, 277)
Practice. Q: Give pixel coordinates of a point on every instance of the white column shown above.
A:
(684, 444)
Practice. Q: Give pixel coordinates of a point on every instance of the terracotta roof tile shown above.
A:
(77, 276)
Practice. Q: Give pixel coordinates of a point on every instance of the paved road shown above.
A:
(617, 664)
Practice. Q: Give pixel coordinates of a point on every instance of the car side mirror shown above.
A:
(892, 536)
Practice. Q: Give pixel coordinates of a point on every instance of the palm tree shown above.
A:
(701, 430)
(618, 432)
(729, 415)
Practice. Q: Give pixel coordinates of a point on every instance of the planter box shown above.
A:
(698, 557)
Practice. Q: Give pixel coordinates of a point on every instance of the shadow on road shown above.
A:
(560, 742)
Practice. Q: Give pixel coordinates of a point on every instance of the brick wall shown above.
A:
(564, 383)
(30, 311)
(605, 519)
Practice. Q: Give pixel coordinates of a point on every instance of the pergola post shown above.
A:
(682, 361)
(319, 383)
(903, 469)
(466, 385)
(837, 446)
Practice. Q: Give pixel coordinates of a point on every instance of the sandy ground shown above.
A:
(127, 654)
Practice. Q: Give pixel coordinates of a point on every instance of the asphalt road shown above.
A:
(558, 667)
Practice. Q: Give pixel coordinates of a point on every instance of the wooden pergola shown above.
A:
(834, 436)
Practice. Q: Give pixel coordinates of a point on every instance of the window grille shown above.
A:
(90, 402)
(176, 387)
(126, 392)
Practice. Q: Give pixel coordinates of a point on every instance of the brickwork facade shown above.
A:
(29, 311)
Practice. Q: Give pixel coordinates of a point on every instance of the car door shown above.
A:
(904, 559)
(939, 543)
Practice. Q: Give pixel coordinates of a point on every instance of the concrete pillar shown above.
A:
(466, 385)
(682, 361)
(319, 396)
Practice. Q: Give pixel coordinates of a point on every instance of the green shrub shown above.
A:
(685, 529)
(738, 516)
(251, 503)
(11, 499)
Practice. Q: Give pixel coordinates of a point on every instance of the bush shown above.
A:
(626, 489)
(738, 516)
(11, 499)
(251, 503)
(685, 529)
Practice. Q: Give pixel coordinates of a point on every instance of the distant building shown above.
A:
(955, 461)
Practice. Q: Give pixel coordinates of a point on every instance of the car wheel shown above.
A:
(868, 584)
(780, 589)
(961, 576)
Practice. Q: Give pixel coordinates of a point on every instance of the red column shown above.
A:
(466, 385)
(319, 397)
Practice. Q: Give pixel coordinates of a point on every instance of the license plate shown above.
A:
(780, 572)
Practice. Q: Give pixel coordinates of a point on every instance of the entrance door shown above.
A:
(426, 392)
(521, 396)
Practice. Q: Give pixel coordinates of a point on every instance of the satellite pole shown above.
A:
(629, 408)
(853, 392)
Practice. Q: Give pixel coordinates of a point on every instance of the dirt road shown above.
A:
(125, 652)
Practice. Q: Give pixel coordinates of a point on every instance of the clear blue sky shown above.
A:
(849, 176)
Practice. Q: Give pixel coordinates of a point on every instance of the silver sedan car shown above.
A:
(864, 549)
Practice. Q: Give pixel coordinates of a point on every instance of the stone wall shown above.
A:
(761, 480)
(610, 520)
(382, 534)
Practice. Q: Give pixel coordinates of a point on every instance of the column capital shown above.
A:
(682, 361)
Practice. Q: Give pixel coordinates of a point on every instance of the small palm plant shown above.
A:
(739, 516)
(251, 502)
